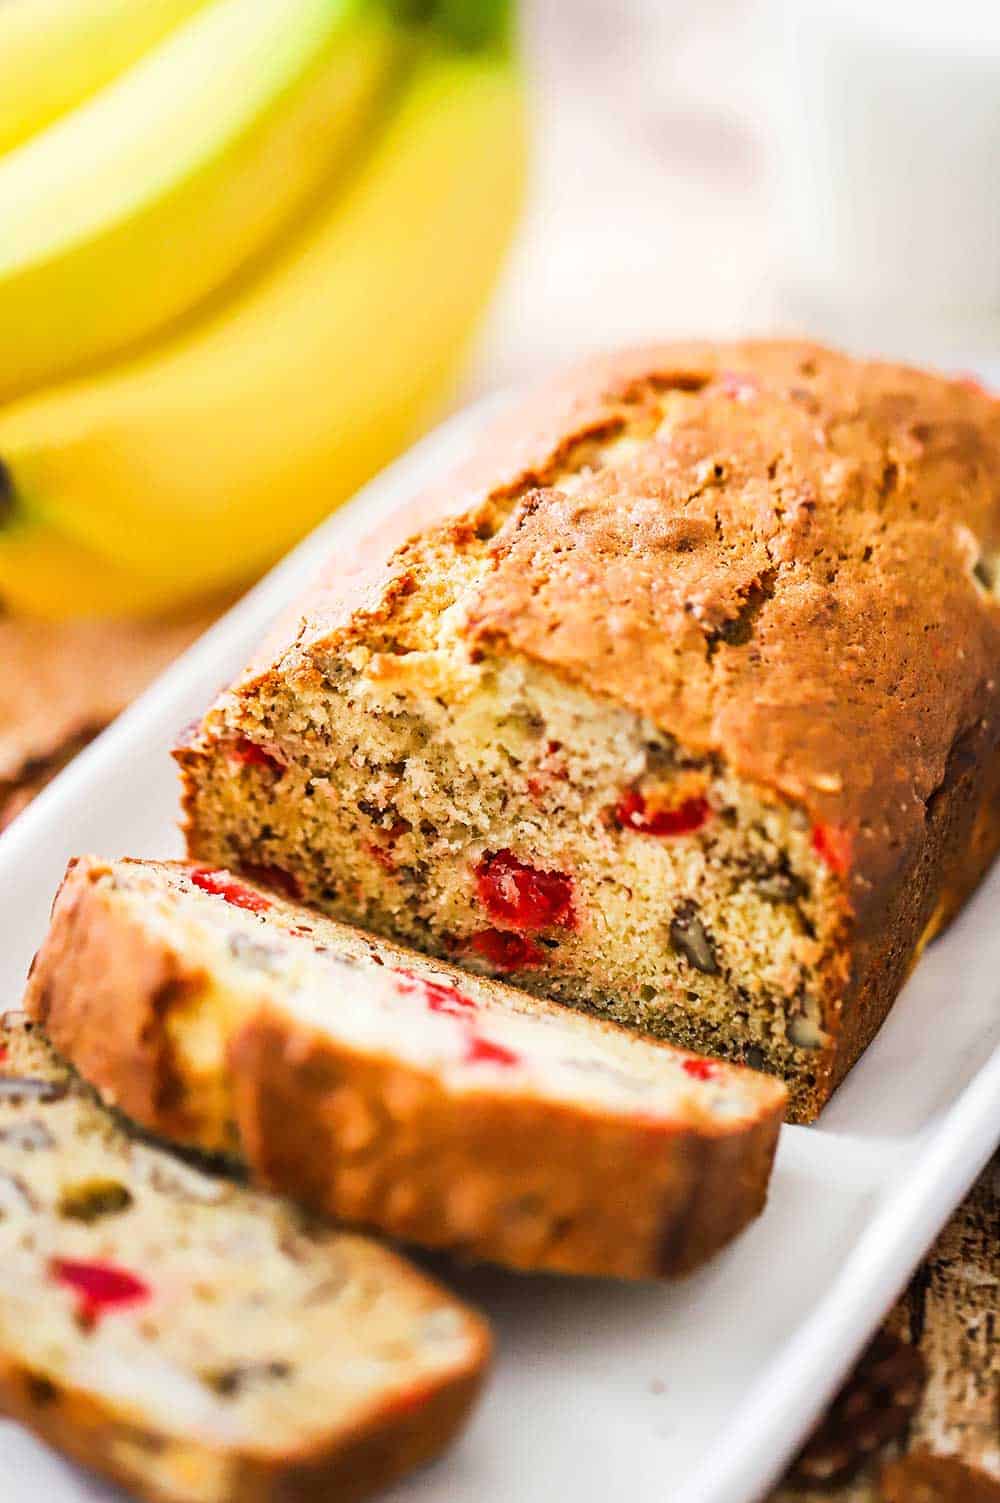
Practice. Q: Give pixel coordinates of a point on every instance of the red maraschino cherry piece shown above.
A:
(505, 951)
(249, 754)
(632, 813)
(100, 1286)
(443, 998)
(382, 854)
(832, 845)
(482, 1051)
(438, 995)
(523, 897)
(222, 885)
(276, 877)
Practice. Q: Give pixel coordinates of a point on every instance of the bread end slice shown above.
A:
(195, 1341)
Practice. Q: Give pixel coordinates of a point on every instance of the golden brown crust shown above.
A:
(530, 1184)
(923, 1478)
(852, 690)
(844, 515)
(522, 449)
(398, 1434)
(962, 837)
(372, 1140)
(843, 512)
(88, 1431)
(401, 1435)
(108, 987)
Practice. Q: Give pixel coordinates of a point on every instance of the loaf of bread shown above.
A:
(197, 1342)
(382, 1088)
(681, 703)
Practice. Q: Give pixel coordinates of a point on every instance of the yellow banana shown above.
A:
(43, 573)
(199, 463)
(133, 208)
(55, 53)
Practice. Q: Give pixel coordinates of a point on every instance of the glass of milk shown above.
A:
(887, 116)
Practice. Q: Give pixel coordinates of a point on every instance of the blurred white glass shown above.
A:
(887, 117)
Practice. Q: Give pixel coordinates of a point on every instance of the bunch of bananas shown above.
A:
(242, 244)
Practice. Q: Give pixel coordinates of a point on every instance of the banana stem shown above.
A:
(470, 25)
(7, 496)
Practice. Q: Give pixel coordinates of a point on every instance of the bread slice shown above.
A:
(383, 1088)
(679, 704)
(195, 1341)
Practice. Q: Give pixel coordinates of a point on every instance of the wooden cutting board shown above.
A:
(949, 1447)
(61, 683)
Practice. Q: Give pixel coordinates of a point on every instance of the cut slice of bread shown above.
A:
(384, 1088)
(195, 1341)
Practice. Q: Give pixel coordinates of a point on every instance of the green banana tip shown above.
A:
(14, 513)
(471, 25)
(7, 496)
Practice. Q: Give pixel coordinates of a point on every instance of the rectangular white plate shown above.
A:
(696, 1392)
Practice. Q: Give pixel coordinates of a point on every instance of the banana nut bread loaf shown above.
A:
(197, 1342)
(680, 703)
(383, 1088)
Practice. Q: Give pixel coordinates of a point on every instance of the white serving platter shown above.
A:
(697, 1392)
